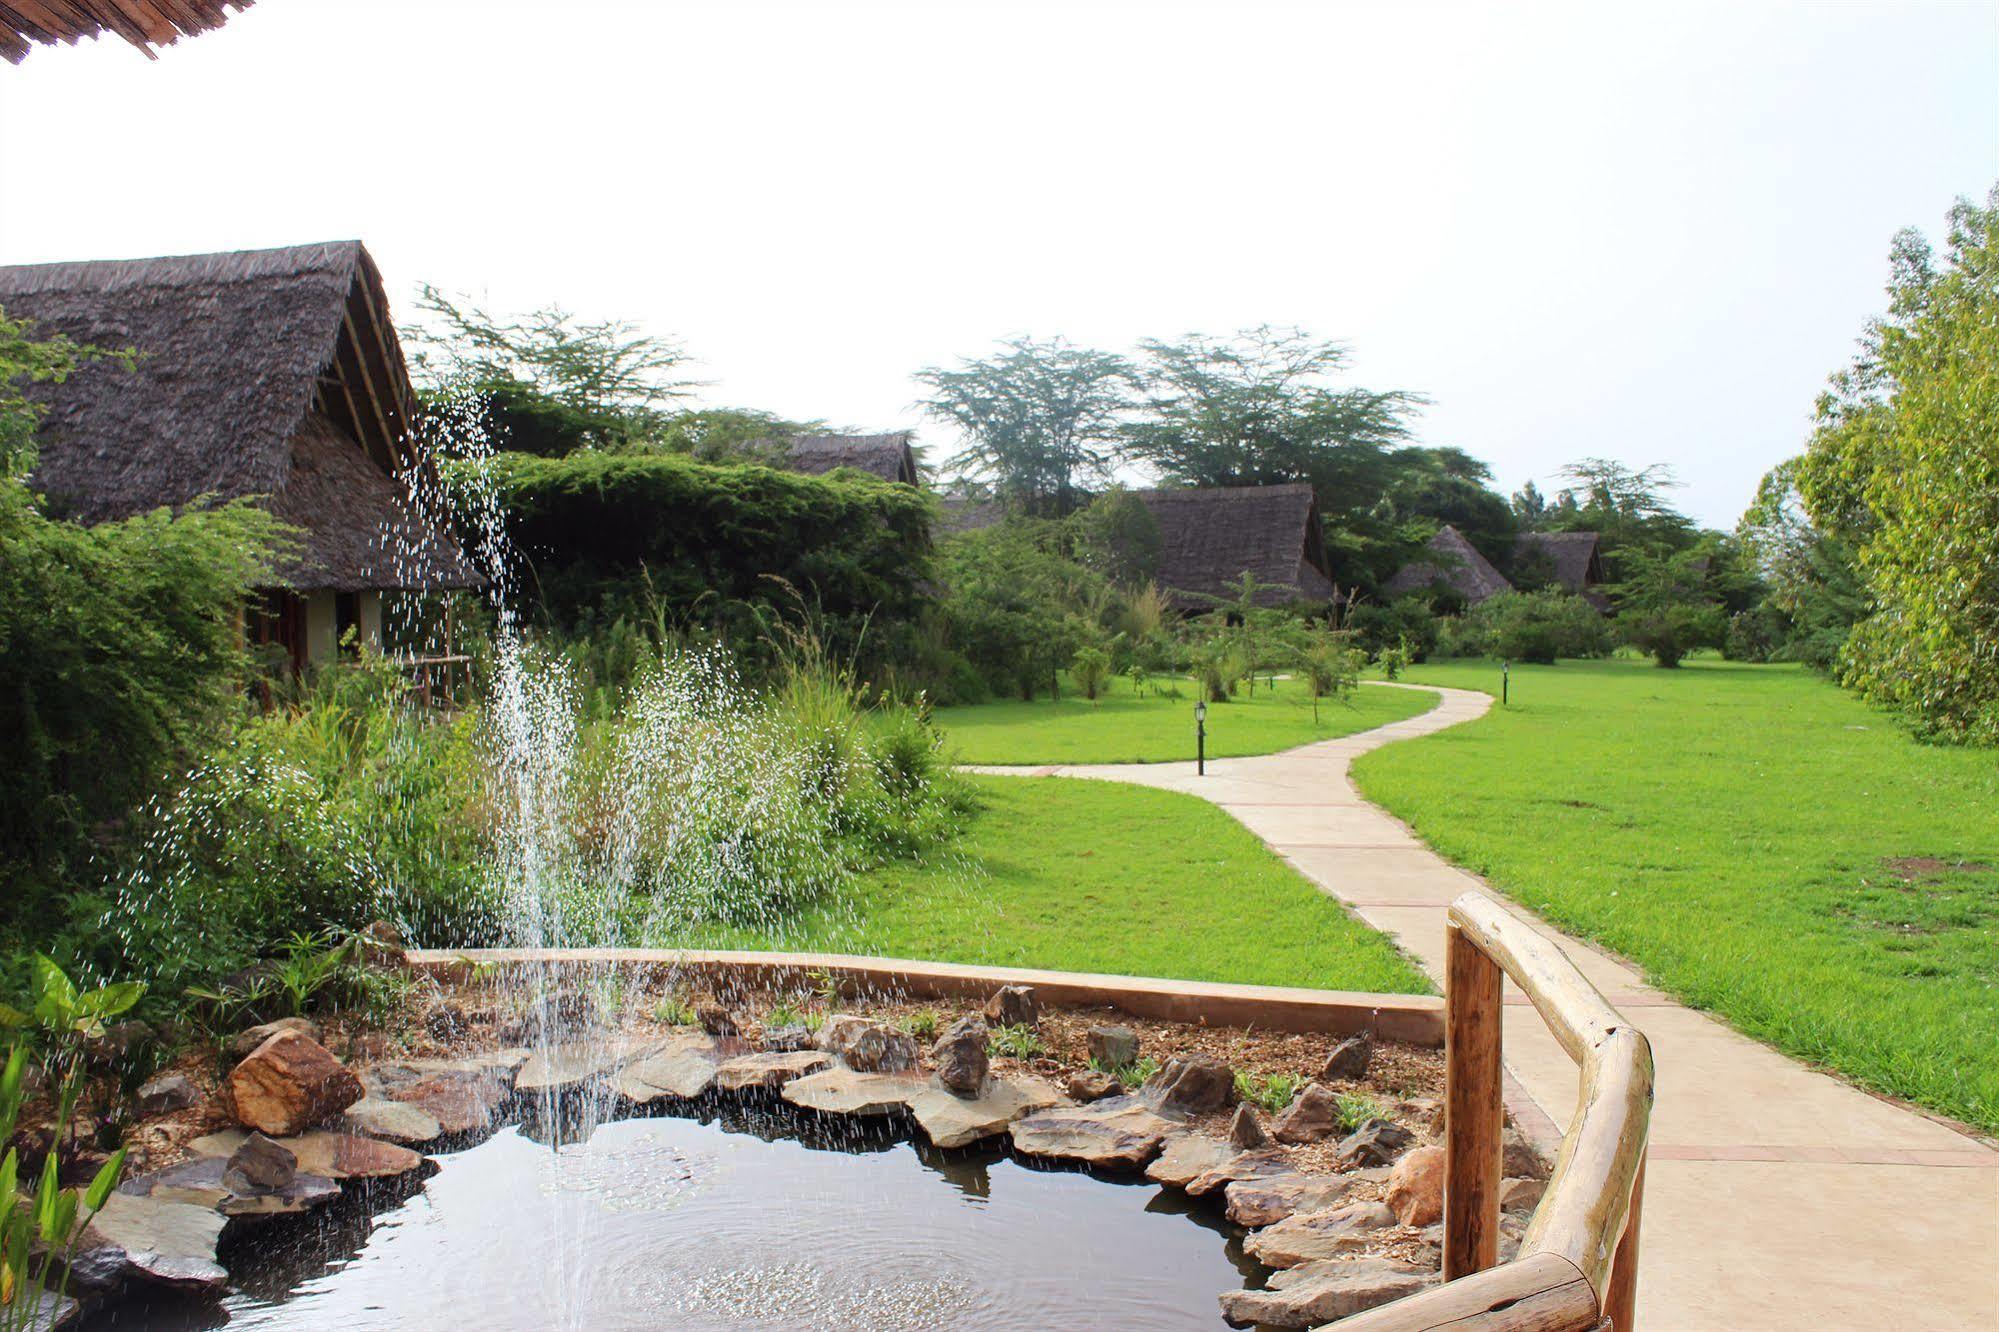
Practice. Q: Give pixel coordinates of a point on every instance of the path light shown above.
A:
(1201, 737)
(1505, 680)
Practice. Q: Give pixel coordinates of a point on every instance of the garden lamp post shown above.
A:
(1201, 738)
(1505, 681)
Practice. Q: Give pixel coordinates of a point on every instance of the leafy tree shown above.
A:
(1014, 604)
(1903, 470)
(723, 435)
(1117, 536)
(1813, 595)
(1530, 508)
(1039, 417)
(1535, 626)
(547, 382)
(1664, 607)
(1627, 506)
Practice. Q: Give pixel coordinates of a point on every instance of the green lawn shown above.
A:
(1123, 727)
(1760, 843)
(1081, 875)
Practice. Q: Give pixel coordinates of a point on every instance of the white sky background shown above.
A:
(1641, 231)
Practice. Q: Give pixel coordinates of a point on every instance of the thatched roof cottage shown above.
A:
(1208, 539)
(144, 23)
(270, 373)
(1451, 562)
(889, 457)
(1574, 560)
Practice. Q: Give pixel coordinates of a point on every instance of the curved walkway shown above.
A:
(1775, 1197)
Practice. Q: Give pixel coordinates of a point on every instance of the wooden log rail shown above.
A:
(1577, 1270)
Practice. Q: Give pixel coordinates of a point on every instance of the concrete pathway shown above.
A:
(1776, 1197)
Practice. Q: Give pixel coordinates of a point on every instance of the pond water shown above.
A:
(755, 1220)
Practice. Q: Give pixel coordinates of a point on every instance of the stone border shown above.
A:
(1412, 1019)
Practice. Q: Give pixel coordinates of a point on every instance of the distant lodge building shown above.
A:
(1571, 559)
(1209, 538)
(889, 457)
(269, 373)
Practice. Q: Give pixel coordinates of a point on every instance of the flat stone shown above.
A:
(1375, 1143)
(1118, 1134)
(951, 1120)
(1316, 1293)
(1258, 1163)
(1090, 1085)
(244, 1043)
(683, 1068)
(793, 1036)
(259, 1166)
(1310, 1236)
(1186, 1157)
(169, 1243)
(843, 1091)
(564, 1068)
(202, 1183)
(167, 1093)
(51, 1311)
(391, 1120)
(1265, 1202)
(460, 1094)
(334, 1155)
(767, 1070)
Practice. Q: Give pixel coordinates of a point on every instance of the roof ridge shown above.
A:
(179, 270)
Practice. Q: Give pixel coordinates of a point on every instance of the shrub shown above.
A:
(1534, 626)
(1089, 669)
(1407, 621)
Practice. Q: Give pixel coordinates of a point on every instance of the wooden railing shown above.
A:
(1577, 1270)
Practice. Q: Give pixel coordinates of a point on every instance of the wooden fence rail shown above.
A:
(1577, 1270)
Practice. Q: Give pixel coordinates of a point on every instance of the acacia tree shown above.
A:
(1039, 418)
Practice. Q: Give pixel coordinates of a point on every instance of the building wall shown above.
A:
(322, 639)
(371, 620)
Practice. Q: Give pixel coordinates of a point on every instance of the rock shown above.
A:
(951, 1119)
(1113, 1047)
(717, 1021)
(1305, 1237)
(1520, 1159)
(1013, 1006)
(460, 1094)
(392, 1121)
(1349, 1060)
(1119, 1134)
(51, 1311)
(204, 1183)
(334, 1155)
(120, 1044)
(1416, 1189)
(259, 1166)
(562, 1014)
(290, 1083)
(382, 945)
(1186, 1157)
(1521, 1195)
(563, 1068)
(1189, 1085)
(166, 1093)
(962, 1061)
(170, 1243)
(1090, 1085)
(1424, 1111)
(791, 1036)
(446, 1022)
(867, 1046)
(1263, 1162)
(1265, 1202)
(1246, 1130)
(684, 1067)
(844, 1091)
(1312, 1116)
(1376, 1142)
(1317, 1293)
(768, 1070)
(245, 1043)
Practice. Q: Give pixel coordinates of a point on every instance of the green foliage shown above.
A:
(1015, 605)
(1531, 626)
(1813, 596)
(1133, 1075)
(1903, 470)
(1017, 1041)
(1039, 418)
(1664, 606)
(1329, 663)
(1355, 1109)
(922, 1024)
(1117, 536)
(1270, 1091)
(674, 1010)
(1394, 660)
(1089, 668)
(1406, 622)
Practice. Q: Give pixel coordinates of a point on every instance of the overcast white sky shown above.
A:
(1642, 231)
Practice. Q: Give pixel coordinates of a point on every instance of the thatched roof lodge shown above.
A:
(143, 23)
(1208, 539)
(271, 373)
(1574, 558)
(889, 457)
(1452, 562)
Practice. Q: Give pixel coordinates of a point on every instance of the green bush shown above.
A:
(1530, 626)
(1407, 621)
(1015, 606)
(1089, 669)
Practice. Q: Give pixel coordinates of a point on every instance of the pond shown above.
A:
(757, 1218)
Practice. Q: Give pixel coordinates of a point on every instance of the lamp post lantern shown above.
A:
(1505, 681)
(1201, 738)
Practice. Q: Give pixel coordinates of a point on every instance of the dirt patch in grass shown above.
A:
(1917, 869)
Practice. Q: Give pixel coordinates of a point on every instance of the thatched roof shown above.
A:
(1209, 538)
(253, 366)
(886, 456)
(1454, 562)
(1575, 557)
(144, 23)
(962, 513)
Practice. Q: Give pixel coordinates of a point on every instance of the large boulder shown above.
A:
(1113, 1046)
(1349, 1060)
(244, 1043)
(1190, 1084)
(867, 1046)
(1321, 1292)
(962, 1060)
(1013, 1006)
(290, 1083)
(1313, 1115)
(1309, 1236)
(1416, 1189)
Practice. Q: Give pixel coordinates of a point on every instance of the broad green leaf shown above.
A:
(45, 1201)
(111, 1000)
(107, 1180)
(11, 1016)
(55, 996)
(10, 1175)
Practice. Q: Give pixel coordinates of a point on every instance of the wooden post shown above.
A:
(1473, 1108)
(1620, 1302)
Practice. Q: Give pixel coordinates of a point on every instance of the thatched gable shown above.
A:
(886, 456)
(1209, 538)
(1454, 562)
(143, 23)
(271, 373)
(1576, 559)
